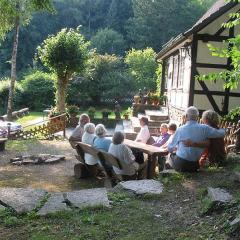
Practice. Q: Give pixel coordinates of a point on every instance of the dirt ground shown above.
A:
(51, 177)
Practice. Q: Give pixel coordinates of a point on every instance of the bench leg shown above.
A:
(151, 167)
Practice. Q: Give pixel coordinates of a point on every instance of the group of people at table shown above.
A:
(185, 148)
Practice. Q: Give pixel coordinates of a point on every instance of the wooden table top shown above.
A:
(3, 139)
(149, 149)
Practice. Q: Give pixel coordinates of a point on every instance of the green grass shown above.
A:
(30, 118)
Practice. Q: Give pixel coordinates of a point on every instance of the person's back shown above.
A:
(102, 143)
(186, 158)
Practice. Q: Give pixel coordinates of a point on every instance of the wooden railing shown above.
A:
(42, 130)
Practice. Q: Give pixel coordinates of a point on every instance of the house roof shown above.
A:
(217, 9)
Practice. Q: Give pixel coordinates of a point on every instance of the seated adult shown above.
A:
(144, 133)
(90, 161)
(172, 127)
(126, 157)
(164, 136)
(186, 158)
(214, 148)
(101, 142)
(77, 133)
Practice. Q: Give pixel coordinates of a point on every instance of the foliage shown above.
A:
(106, 77)
(72, 110)
(54, 112)
(233, 115)
(38, 90)
(230, 50)
(4, 88)
(108, 41)
(152, 26)
(143, 67)
(91, 110)
(64, 54)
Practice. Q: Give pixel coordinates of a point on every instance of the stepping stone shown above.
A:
(236, 176)
(21, 199)
(141, 187)
(54, 204)
(88, 197)
(235, 223)
(218, 195)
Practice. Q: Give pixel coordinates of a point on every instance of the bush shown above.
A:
(233, 115)
(4, 86)
(38, 90)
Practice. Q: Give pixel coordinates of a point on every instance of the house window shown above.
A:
(175, 71)
(181, 71)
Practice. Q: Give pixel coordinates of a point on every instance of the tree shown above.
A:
(106, 77)
(156, 21)
(13, 14)
(64, 54)
(108, 41)
(143, 67)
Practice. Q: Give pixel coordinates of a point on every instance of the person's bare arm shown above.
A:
(200, 144)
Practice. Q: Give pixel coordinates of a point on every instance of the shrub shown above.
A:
(233, 115)
(38, 90)
(4, 86)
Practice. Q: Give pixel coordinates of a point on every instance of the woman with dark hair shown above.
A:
(125, 156)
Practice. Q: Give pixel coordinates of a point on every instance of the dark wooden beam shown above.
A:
(212, 38)
(162, 90)
(209, 96)
(217, 93)
(211, 65)
(194, 47)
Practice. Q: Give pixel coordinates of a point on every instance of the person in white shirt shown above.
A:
(144, 133)
(88, 138)
(91, 162)
(118, 149)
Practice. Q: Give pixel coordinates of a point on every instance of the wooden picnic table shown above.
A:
(152, 151)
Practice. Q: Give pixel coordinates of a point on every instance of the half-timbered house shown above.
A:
(188, 55)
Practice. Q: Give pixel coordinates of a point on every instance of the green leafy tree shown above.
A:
(105, 75)
(108, 41)
(156, 21)
(142, 66)
(64, 54)
(13, 14)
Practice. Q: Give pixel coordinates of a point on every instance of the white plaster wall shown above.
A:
(205, 56)
(214, 26)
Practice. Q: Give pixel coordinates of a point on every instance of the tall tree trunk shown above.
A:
(13, 69)
(61, 95)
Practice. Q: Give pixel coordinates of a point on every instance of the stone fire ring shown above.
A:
(37, 159)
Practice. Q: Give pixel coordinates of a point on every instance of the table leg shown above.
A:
(151, 167)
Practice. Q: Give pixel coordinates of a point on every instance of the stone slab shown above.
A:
(236, 176)
(218, 195)
(141, 187)
(88, 197)
(235, 222)
(21, 199)
(54, 204)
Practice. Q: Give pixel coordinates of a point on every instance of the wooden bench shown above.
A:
(107, 161)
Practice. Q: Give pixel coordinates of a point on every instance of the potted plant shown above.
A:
(155, 99)
(91, 112)
(105, 113)
(53, 115)
(137, 99)
(72, 111)
(127, 113)
(162, 100)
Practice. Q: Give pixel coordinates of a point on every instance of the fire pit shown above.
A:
(37, 159)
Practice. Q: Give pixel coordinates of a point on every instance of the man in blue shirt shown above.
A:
(186, 158)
